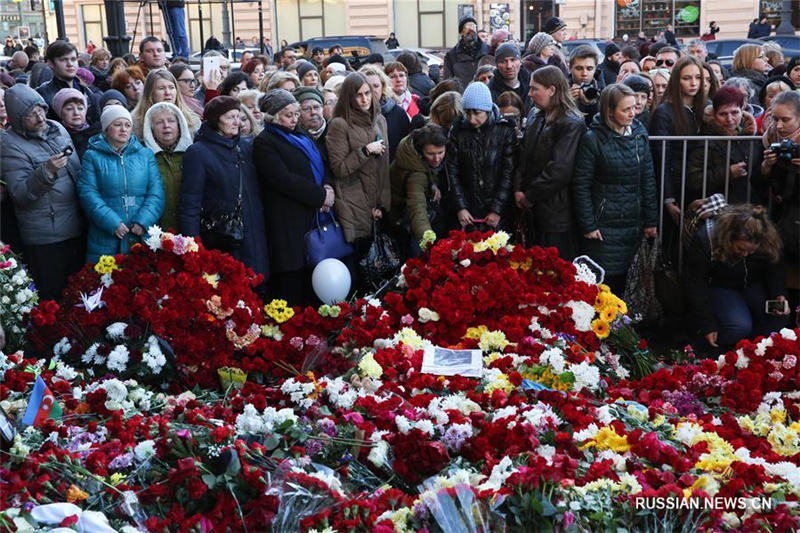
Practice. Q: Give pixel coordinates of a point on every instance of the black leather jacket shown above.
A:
(480, 165)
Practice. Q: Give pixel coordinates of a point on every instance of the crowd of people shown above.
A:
(552, 147)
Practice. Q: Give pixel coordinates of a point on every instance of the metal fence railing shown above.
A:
(682, 148)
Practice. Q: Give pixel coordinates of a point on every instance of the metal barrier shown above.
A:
(690, 144)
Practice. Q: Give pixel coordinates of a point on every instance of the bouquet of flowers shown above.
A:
(17, 298)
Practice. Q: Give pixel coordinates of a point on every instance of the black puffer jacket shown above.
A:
(614, 191)
(480, 164)
(545, 170)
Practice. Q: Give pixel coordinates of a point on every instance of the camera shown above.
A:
(786, 150)
(590, 90)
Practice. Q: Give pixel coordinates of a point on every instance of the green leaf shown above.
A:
(210, 480)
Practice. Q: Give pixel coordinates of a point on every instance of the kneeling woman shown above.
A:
(119, 186)
(731, 270)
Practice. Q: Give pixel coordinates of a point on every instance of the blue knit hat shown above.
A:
(477, 96)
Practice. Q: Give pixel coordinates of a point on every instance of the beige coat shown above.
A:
(361, 181)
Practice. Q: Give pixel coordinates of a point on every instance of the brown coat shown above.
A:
(361, 182)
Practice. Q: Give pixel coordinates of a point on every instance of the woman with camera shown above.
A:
(781, 169)
(119, 186)
(733, 281)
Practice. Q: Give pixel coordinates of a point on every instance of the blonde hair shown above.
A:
(372, 70)
(249, 94)
(446, 109)
(255, 127)
(745, 56)
(147, 100)
(745, 222)
(276, 79)
(99, 54)
(610, 98)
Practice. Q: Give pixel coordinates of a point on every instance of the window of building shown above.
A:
(196, 36)
(772, 10)
(93, 21)
(652, 17)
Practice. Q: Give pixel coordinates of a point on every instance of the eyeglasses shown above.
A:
(192, 82)
(309, 108)
(667, 62)
(36, 113)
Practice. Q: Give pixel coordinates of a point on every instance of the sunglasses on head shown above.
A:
(667, 62)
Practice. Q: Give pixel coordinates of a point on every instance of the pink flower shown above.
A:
(354, 417)
(789, 361)
(296, 343)
(407, 320)
(313, 340)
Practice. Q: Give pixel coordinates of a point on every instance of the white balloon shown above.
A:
(331, 281)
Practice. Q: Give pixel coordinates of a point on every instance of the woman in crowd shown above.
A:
(40, 179)
(248, 127)
(295, 189)
(250, 99)
(116, 64)
(168, 135)
(130, 82)
(750, 61)
(234, 83)
(397, 122)
(419, 183)
(119, 187)
(774, 56)
(614, 185)
(219, 182)
(647, 63)
(783, 174)
(480, 162)
(187, 85)
(626, 69)
(161, 86)
(399, 82)
(359, 160)
(724, 117)
(329, 99)
(280, 80)
(484, 74)
(98, 66)
(793, 70)
(419, 83)
(112, 97)
(731, 271)
(680, 114)
(255, 69)
(541, 48)
(710, 83)
(511, 107)
(309, 75)
(446, 109)
(660, 79)
(544, 176)
(70, 106)
(774, 86)
(642, 87)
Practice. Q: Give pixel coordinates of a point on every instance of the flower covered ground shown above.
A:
(190, 405)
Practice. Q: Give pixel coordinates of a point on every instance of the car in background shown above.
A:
(352, 45)
(569, 46)
(790, 44)
(426, 55)
(724, 49)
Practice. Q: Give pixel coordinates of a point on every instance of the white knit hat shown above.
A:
(112, 113)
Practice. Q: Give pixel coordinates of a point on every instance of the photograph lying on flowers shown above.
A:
(161, 394)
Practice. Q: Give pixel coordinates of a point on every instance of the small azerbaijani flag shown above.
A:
(42, 405)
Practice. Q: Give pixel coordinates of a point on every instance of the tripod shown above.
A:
(162, 5)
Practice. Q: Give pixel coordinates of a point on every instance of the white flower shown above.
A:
(249, 422)
(426, 315)
(380, 449)
(582, 315)
(153, 357)
(118, 358)
(686, 433)
(500, 473)
(144, 450)
(116, 331)
(586, 376)
(65, 372)
(153, 240)
(547, 451)
(115, 389)
(761, 347)
(62, 347)
(539, 414)
(585, 434)
(604, 415)
(554, 358)
(788, 334)
(403, 424)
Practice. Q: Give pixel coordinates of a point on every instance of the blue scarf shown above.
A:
(307, 146)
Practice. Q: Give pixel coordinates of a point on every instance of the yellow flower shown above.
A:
(501, 383)
(116, 478)
(604, 288)
(106, 265)
(601, 300)
(279, 311)
(475, 333)
(600, 328)
(608, 439)
(609, 313)
(370, 368)
(622, 306)
(428, 238)
(493, 341)
(211, 279)
(778, 415)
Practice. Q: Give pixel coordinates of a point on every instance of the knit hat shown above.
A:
(302, 94)
(611, 49)
(638, 83)
(506, 50)
(63, 96)
(218, 106)
(112, 113)
(498, 38)
(336, 58)
(305, 68)
(333, 83)
(275, 100)
(539, 42)
(553, 25)
(464, 21)
(85, 75)
(337, 67)
(374, 58)
(113, 94)
(477, 97)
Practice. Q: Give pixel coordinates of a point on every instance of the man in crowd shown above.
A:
(609, 70)
(698, 49)
(509, 74)
(336, 50)
(667, 57)
(461, 61)
(285, 57)
(584, 86)
(311, 117)
(669, 36)
(62, 58)
(175, 10)
(557, 29)
(17, 65)
(151, 54)
(483, 35)
(318, 57)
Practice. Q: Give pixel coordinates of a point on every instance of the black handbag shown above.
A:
(325, 242)
(381, 261)
(224, 232)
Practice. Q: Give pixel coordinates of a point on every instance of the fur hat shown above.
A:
(217, 107)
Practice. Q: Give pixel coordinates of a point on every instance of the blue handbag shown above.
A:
(326, 242)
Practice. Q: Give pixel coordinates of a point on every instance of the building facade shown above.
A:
(420, 23)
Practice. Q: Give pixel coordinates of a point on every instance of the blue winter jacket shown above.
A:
(116, 188)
